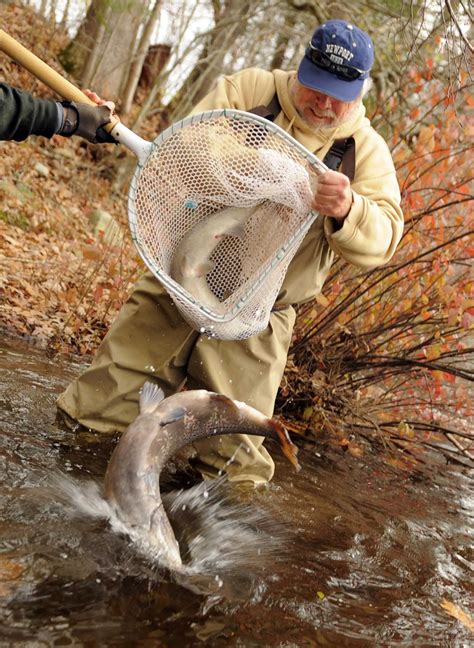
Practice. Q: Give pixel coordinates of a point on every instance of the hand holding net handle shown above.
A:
(46, 74)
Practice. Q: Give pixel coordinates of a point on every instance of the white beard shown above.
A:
(335, 121)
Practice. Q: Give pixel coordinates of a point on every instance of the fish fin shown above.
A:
(203, 268)
(175, 415)
(288, 448)
(150, 397)
(199, 270)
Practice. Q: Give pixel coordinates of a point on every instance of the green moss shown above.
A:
(16, 219)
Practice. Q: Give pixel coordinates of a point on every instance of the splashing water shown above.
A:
(372, 556)
(218, 533)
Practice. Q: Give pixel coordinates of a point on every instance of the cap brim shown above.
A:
(313, 77)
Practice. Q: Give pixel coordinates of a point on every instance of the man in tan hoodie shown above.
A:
(361, 222)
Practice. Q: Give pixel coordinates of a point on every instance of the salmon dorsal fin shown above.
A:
(150, 397)
(237, 230)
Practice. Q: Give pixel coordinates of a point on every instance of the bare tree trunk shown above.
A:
(114, 50)
(52, 12)
(179, 30)
(90, 63)
(283, 39)
(65, 17)
(101, 53)
(137, 64)
(43, 8)
(230, 19)
(75, 57)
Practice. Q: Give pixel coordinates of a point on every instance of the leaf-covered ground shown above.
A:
(62, 280)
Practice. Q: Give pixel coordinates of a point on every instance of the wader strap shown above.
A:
(270, 112)
(277, 308)
(341, 152)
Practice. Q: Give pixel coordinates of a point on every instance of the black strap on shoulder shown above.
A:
(270, 112)
(342, 152)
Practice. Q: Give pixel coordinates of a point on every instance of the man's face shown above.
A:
(320, 110)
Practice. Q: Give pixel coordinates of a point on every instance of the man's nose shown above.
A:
(322, 100)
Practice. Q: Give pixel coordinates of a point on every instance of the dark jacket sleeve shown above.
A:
(22, 115)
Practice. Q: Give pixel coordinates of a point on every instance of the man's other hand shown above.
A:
(333, 195)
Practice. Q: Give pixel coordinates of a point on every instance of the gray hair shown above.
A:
(367, 86)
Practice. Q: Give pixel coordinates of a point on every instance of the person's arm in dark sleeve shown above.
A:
(22, 115)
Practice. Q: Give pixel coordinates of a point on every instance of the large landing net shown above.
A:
(218, 211)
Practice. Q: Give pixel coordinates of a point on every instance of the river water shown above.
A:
(347, 552)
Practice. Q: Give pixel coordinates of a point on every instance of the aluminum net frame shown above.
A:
(196, 172)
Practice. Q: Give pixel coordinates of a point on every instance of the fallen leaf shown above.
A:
(355, 450)
(91, 252)
(10, 570)
(321, 299)
(459, 614)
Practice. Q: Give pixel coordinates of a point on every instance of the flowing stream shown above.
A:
(347, 552)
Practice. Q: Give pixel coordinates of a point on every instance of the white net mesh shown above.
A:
(218, 211)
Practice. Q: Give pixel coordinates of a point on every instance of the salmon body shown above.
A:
(163, 426)
(192, 260)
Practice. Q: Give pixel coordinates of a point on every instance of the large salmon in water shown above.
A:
(162, 427)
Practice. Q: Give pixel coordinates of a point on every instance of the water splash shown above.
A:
(219, 533)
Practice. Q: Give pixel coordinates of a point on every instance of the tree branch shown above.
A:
(458, 26)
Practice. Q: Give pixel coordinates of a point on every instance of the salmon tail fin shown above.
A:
(287, 446)
(200, 270)
(150, 397)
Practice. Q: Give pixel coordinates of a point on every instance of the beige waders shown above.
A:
(149, 340)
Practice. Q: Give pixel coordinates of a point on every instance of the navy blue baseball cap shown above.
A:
(337, 60)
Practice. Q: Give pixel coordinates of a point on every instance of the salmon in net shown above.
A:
(218, 211)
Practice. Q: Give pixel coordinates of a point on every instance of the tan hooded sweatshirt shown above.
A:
(372, 230)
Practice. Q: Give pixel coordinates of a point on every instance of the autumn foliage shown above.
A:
(63, 281)
(388, 354)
